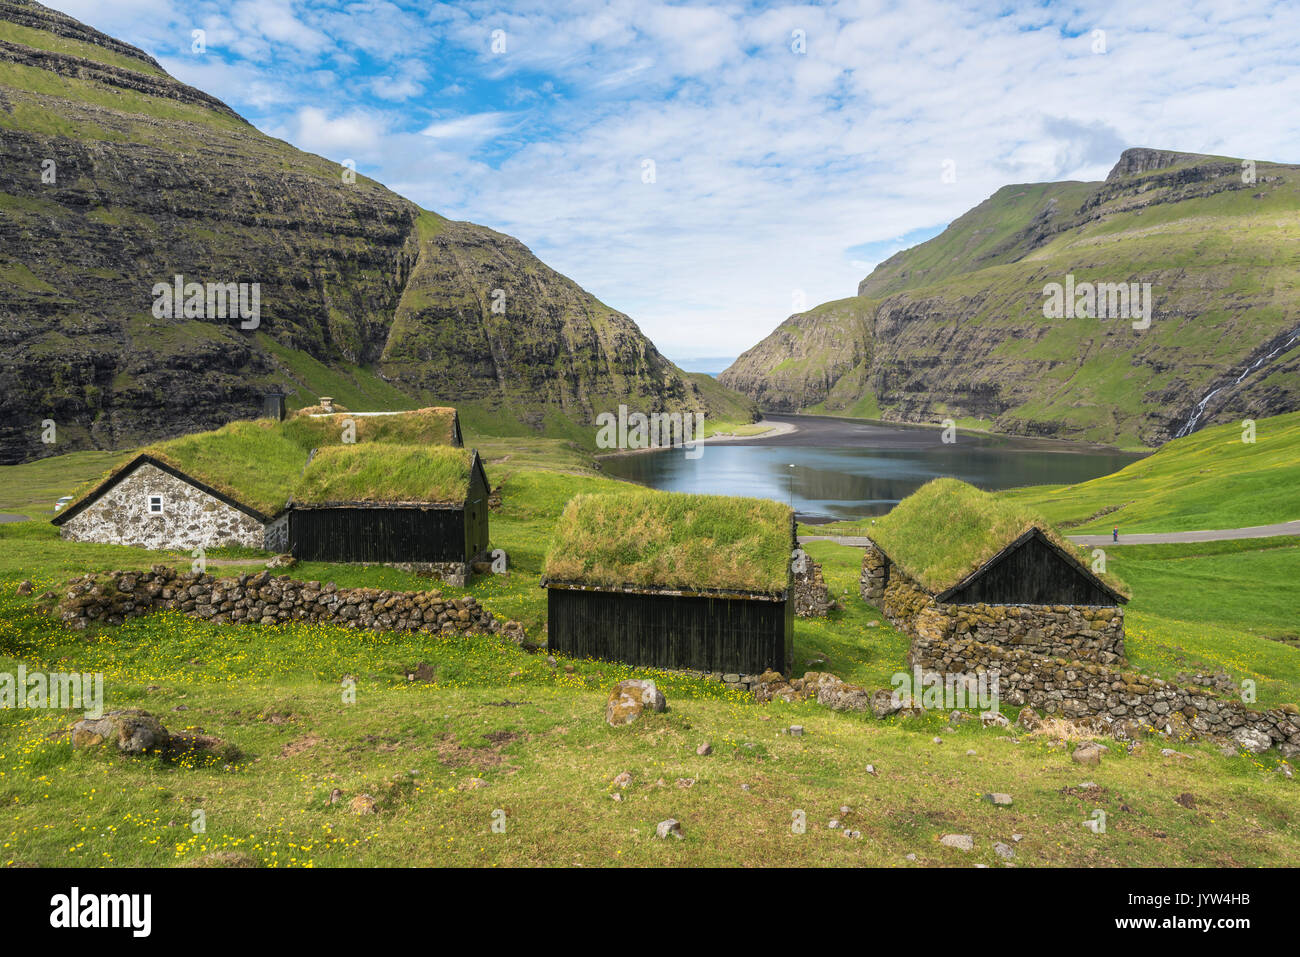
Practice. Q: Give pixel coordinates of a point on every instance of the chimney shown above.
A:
(327, 403)
(273, 406)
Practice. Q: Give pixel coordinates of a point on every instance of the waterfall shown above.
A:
(1190, 425)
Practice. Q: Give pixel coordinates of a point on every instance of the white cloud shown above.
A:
(770, 164)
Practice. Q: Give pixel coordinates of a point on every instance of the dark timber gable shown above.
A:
(1032, 570)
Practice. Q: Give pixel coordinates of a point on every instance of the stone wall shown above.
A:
(1094, 633)
(1074, 688)
(114, 597)
(812, 599)
(190, 518)
(875, 571)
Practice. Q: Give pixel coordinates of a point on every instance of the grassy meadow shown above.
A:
(498, 734)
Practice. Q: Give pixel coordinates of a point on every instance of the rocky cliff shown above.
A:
(955, 327)
(115, 178)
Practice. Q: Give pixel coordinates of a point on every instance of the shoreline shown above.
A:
(773, 430)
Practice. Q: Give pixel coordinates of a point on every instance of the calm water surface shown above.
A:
(848, 469)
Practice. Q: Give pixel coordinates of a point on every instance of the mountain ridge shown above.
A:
(364, 295)
(954, 327)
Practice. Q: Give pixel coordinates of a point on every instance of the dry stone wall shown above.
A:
(190, 518)
(114, 597)
(812, 599)
(1075, 688)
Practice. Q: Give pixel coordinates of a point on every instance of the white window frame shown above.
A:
(162, 505)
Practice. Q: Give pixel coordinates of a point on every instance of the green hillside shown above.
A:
(954, 327)
(363, 295)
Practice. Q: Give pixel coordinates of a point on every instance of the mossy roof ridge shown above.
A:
(435, 425)
(947, 529)
(672, 540)
(385, 473)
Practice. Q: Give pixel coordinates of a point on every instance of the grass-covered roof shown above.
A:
(379, 472)
(644, 538)
(947, 529)
(435, 425)
(258, 462)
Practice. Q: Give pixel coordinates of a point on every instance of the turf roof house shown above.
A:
(953, 563)
(392, 504)
(230, 486)
(666, 580)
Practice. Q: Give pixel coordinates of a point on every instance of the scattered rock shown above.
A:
(796, 730)
(1004, 851)
(962, 842)
(1187, 800)
(630, 699)
(1088, 753)
(285, 560)
(998, 798)
(1028, 719)
(335, 796)
(704, 750)
(885, 702)
(670, 826)
(130, 730)
(994, 719)
(622, 780)
(25, 587)
(686, 783)
(937, 740)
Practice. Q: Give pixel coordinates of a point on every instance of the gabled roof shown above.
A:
(254, 465)
(1038, 535)
(144, 459)
(649, 541)
(377, 473)
(947, 531)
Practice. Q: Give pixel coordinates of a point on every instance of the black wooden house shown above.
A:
(629, 579)
(404, 519)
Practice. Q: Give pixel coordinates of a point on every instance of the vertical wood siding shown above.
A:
(400, 534)
(667, 631)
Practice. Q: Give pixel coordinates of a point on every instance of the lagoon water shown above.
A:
(849, 469)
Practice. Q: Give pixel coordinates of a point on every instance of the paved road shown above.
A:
(1149, 538)
(9, 517)
(1215, 535)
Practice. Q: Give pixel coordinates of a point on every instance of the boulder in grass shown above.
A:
(1028, 719)
(130, 730)
(670, 826)
(630, 699)
(1088, 754)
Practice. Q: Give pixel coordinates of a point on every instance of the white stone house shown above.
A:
(152, 504)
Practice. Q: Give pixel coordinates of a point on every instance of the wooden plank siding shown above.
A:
(398, 533)
(1031, 571)
(695, 632)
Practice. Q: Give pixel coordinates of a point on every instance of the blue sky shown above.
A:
(793, 146)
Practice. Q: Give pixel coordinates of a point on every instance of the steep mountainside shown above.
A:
(115, 177)
(955, 327)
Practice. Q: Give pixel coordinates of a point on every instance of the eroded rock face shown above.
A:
(913, 347)
(170, 181)
(630, 699)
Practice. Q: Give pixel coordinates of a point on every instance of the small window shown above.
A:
(155, 504)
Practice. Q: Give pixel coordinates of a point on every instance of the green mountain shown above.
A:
(115, 178)
(955, 327)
